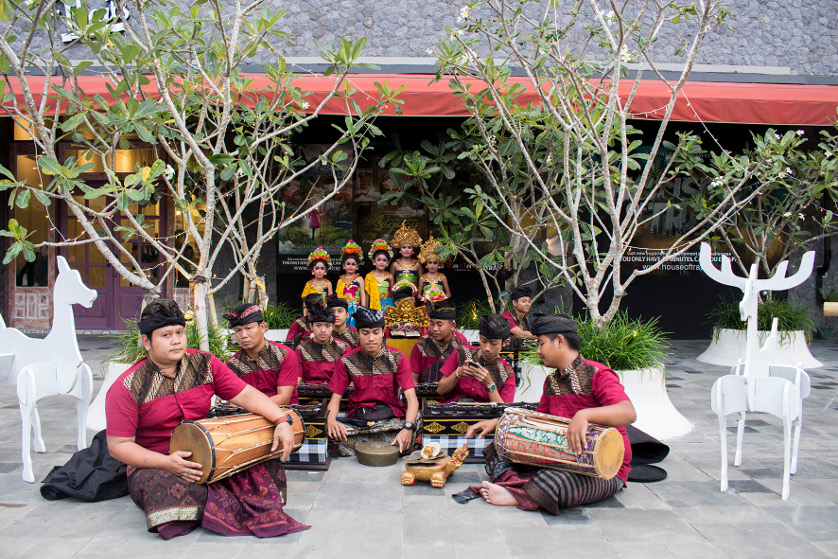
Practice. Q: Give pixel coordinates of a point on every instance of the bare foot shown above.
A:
(497, 495)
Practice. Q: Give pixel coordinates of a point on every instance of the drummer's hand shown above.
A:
(283, 434)
(182, 468)
(577, 432)
(336, 429)
(404, 439)
(481, 428)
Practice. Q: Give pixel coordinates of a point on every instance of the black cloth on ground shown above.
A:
(92, 474)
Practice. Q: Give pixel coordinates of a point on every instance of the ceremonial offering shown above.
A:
(433, 465)
(377, 454)
(538, 439)
(226, 445)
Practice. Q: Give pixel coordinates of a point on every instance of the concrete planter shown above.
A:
(532, 382)
(655, 413)
(471, 335)
(96, 412)
(727, 348)
(277, 335)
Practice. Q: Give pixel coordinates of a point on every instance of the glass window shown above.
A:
(36, 220)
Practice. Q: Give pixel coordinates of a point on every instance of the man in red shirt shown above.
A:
(270, 367)
(518, 317)
(432, 349)
(151, 398)
(479, 374)
(342, 331)
(319, 355)
(584, 391)
(377, 372)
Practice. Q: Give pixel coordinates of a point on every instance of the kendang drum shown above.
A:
(230, 444)
(538, 439)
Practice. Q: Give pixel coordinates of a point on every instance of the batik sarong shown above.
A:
(551, 490)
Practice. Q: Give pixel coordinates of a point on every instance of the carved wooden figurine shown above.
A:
(435, 470)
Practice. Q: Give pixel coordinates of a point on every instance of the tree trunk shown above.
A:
(199, 294)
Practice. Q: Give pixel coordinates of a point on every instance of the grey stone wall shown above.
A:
(793, 37)
(800, 36)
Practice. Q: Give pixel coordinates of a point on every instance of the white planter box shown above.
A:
(728, 349)
(655, 413)
(277, 335)
(471, 335)
(96, 412)
(532, 382)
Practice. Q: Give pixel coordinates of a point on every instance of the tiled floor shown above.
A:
(357, 511)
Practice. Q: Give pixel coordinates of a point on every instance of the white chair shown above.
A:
(776, 396)
(801, 381)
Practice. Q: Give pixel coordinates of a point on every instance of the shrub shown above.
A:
(468, 314)
(622, 344)
(130, 350)
(280, 316)
(792, 316)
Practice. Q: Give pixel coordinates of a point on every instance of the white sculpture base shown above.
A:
(96, 412)
(728, 349)
(655, 413)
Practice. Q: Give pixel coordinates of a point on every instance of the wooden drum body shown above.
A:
(229, 444)
(538, 439)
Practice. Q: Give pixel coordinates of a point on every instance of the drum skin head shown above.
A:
(610, 452)
(192, 437)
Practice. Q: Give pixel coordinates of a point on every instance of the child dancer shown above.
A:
(351, 285)
(379, 281)
(406, 267)
(434, 283)
(318, 262)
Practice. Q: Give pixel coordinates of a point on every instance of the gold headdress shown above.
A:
(406, 236)
(430, 251)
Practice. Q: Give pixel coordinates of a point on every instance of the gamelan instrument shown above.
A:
(229, 444)
(538, 439)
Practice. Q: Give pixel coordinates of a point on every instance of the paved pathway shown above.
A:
(357, 511)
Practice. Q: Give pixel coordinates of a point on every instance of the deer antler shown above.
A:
(724, 275)
(779, 281)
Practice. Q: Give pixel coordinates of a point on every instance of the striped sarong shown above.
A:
(551, 490)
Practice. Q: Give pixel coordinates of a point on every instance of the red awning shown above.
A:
(744, 103)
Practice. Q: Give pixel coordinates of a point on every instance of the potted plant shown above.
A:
(727, 346)
(279, 317)
(830, 309)
(129, 350)
(636, 350)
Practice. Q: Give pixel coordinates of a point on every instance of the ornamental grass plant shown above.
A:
(279, 316)
(622, 344)
(791, 317)
(130, 350)
(468, 314)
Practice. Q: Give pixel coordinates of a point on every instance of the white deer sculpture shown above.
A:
(52, 365)
(759, 385)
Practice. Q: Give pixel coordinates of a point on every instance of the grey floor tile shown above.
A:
(758, 540)
(359, 496)
(691, 493)
(813, 523)
(572, 516)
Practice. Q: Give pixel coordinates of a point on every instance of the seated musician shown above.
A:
(582, 390)
(151, 398)
(377, 372)
(342, 331)
(480, 374)
(300, 329)
(518, 317)
(270, 367)
(432, 349)
(319, 355)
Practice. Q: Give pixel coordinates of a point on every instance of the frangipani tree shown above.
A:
(222, 144)
(549, 90)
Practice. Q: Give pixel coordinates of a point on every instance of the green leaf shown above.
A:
(49, 165)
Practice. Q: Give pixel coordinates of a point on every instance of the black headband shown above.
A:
(521, 291)
(494, 327)
(368, 318)
(551, 324)
(160, 319)
(401, 293)
(441, 310)
(244, 314)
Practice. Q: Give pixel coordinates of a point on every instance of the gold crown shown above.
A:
(430, 251)
(406, 236)
(405, 311)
